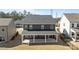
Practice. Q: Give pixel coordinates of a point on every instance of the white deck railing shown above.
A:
(39, 41)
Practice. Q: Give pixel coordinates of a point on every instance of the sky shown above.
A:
(54, 12)
(42, 7)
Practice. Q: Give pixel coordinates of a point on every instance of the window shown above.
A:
(72, 25)
(40, 37)
(49, 27)
(42, 27)
(72, 33)
(36, 27)
(77, 25)
(2, 29)
(2, 39)
(77, 34)
(30, 27)
(46, 27)
(52, 27)
(18, 26)
(28, 37)
(25, 27)
(52, 36)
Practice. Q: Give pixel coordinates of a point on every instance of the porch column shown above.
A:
(56, 37)
(45, 38)
(33, 38)
(22, 38)
(75, 37)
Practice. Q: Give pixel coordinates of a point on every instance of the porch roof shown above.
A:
(38, 32)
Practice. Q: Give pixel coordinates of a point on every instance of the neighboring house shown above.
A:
(7, 29)
(69, 25)
(39, 29)
(19, 27)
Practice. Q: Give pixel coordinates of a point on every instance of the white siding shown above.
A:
(11, 30)
(64, 25)
(75, 25)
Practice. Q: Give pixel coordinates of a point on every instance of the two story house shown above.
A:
(7, 29)
(39, 29)
(69, 25)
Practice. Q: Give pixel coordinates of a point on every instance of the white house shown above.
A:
(7, 29)
(69, 25)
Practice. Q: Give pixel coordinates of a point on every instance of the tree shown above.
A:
(2, 14)
(24, 12)
(14, 14)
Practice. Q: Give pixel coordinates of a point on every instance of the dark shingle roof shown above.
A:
(72, 17)
(38, 19)
(18, 21)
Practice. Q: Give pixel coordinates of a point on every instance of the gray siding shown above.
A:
(3, 33)
(11, 30)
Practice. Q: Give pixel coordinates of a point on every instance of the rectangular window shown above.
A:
(77, 34)
(72, 33)
(28, 37)
(40, 37)
(1, 39)
(77, 25)
(46, 27)
(52, 27)
(18, 26)
(72, 25)
(25, 27)
(30, 27)
(42, 27)
(36, 27)
(49, 27)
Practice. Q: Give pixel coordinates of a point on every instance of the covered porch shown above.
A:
(75, 35)
(39, 37)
